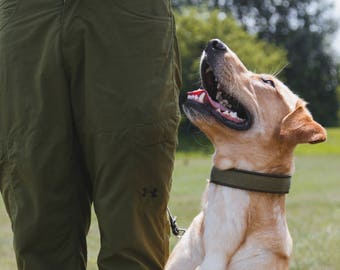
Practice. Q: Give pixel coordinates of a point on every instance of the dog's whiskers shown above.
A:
(277, 73)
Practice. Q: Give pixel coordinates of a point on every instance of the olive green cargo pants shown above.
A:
(88, 113)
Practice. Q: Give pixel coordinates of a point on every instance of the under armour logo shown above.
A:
(149, 192)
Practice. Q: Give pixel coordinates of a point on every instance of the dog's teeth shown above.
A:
(201, 98)
(190, 97)
(218, 110)
(234, 114)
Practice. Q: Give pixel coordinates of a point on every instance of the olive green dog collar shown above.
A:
(252, 181)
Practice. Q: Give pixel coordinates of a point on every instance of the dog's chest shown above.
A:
(263, 250)
(253, 225)
(267, 225)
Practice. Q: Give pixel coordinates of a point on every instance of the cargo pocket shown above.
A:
(7, 11)
(153, 156)
(153, 161)
(154, 147)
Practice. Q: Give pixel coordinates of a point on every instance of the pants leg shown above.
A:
(42, 178)
(124, 66)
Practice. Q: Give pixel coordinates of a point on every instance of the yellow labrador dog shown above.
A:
(254, 122)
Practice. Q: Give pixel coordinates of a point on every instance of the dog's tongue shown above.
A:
(202, 96)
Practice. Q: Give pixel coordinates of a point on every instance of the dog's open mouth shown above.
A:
(216, 100)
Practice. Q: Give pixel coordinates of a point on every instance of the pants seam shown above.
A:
(76, 207)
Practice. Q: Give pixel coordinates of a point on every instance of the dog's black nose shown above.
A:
(216, 45)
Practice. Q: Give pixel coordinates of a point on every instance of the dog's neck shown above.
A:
(279, 162)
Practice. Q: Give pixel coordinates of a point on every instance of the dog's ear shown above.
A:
(299, 127)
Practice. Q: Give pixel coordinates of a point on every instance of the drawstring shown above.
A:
(176, 231)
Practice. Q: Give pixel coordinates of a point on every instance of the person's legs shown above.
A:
(125, 74)
(42, 179)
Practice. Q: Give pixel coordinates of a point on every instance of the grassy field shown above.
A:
(313, 206)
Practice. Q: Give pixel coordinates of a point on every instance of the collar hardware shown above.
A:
(252, 181)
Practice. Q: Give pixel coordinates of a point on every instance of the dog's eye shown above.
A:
(270, 82)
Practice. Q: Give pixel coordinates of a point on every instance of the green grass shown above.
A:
(313, 206)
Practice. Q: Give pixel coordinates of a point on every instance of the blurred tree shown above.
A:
(302, 27)
(196, 27)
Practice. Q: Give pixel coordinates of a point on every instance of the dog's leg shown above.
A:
(225, 223)
(188, 253)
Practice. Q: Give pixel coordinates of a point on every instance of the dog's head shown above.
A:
(242, 110)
